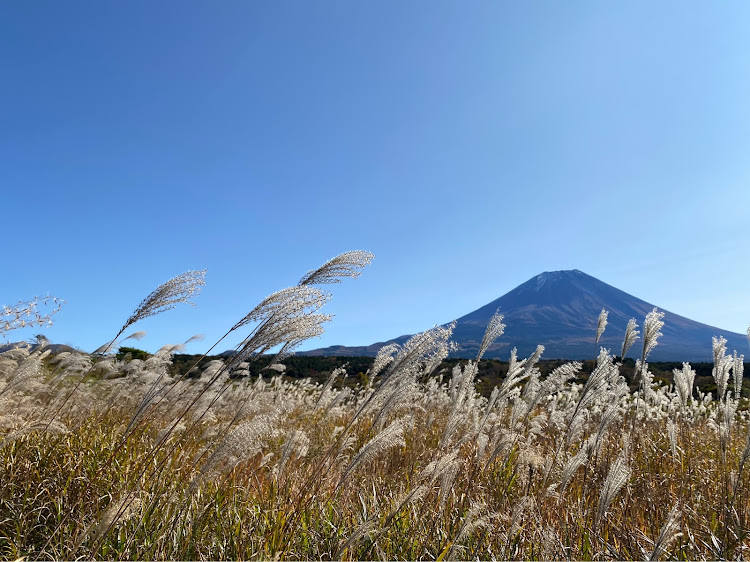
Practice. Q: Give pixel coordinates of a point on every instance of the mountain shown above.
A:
(53, 347)
(560, 309)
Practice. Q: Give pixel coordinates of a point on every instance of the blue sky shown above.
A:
(468, 145)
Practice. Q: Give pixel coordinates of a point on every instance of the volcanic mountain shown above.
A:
(559, 310)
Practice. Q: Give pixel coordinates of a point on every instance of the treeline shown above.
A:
(491, 371)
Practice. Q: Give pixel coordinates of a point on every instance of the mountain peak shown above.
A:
(556, 276)
(559, 309)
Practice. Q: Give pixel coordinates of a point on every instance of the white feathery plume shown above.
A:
(570, 468)
(290, 331)
(610, 414)
(631, 335)
(291, 301)
(647, 380)
(383, 359)
(367, 527)
(601, 324)
(419, 348)
(166, 296)
(618, 476)
(516, 373)
(28, 369)
(391, 436)
(26, 313)
(554, 382)
(594, 386)
(196, 337)
(348, 264)
(295, 446)
(136, 336)
(471, 522)
(120, 510)
(243, 442)
(669, 532)
(683, 383)
(722, 364)
(651, 333)
(287, 318)
(672, 432)
(494, 330)
(459, 398)
(322, 399)
(738, 370)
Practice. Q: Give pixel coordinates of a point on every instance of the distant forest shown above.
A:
(491, 371)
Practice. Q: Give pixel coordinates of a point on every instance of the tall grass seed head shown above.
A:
(348, 264)
(651, 333)
(177, 290)
(601, 324)
(631, 335)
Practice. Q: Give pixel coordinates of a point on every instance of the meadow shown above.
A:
(118, 458)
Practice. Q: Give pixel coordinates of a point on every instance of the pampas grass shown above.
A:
(407, 464)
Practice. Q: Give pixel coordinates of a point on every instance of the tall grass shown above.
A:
(118, 459)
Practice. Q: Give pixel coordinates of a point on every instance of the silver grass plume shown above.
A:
(647, 381)
(287, 317)
(669, 532)
(166, 296)
(419, 349)
(683, 383)
(460, 396)
(348, 264)
(196, 337)
(618, 476)
(570, 468)
(516, 373)
(295, 446)
(494, 330)
(367, 527)
(610, 414)
(471, 522)
(291, 301)
(322, 399)
(243, 442)
(738, 369)
(601, 324)
(120, 510)
(595, 385)
(418, 356)
(290, 331)
(672, 432)
(390, 437)
(136, 336)
(30, 368)
(488, 409)
(720, 371)
(27, 313)
(554, 382)
(631, 335)
(651, 333)
(383, 359)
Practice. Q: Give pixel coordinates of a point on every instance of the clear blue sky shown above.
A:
(468, 145)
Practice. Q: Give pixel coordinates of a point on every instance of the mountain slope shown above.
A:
(559, 309)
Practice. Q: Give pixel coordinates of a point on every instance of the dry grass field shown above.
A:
(117, 459)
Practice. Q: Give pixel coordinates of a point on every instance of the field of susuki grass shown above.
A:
(111, 458)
